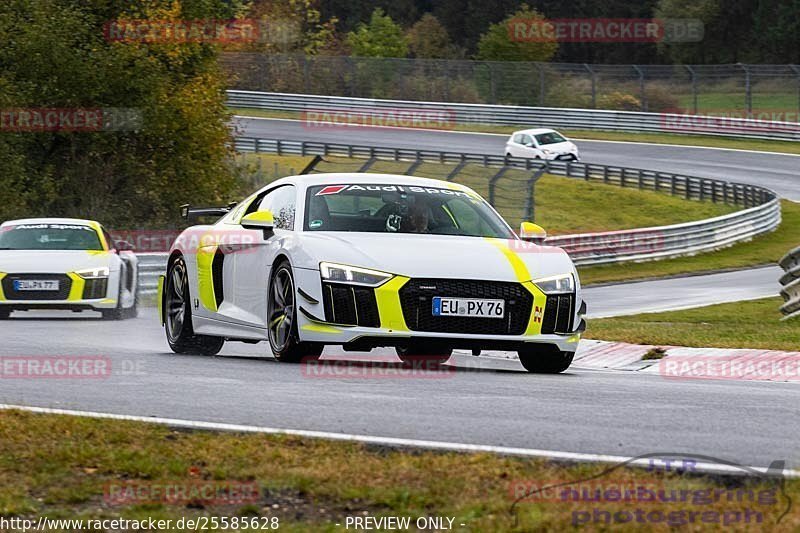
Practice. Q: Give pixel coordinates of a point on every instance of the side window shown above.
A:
(518, 138)
(281, 202)
(527, 141)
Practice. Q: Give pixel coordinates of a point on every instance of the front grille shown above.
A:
(64, 286)
(416, 298)
(95, 288)
(558, 314)
(350, 304)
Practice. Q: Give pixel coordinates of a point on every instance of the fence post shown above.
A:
(530, 202)
(541, 84)
(748, 91)
(693, 74)
(492, 88)
(796, 70)
(493, 183)
(641, 87)
(594, 84)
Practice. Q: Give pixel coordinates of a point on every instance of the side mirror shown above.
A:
(124, 246)
(528, 231)
(262, 220)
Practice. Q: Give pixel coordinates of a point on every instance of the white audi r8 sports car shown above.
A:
(65, 263)
(541, 143)
(366, 261)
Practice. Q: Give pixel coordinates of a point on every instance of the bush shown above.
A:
(660, 98)
(619, 101)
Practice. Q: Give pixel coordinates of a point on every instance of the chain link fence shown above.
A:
(766, 90)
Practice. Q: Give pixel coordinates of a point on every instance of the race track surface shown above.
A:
(482, 401)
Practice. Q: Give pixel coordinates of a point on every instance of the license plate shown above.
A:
(36, 285)
(475, 307)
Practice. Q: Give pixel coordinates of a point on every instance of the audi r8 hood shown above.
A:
(435, 256)
(54, 261)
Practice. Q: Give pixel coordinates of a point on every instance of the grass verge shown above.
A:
(786, 147)
(761, 250)
(750, 324)
(66, 467)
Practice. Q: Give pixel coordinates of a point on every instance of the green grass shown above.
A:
(59, 466)
(750, 324)
(659, 138)
(764, 249)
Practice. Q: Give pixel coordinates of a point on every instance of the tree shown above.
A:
(428, 39)
(293, 26)
(53, 54)
(380, 38)
(498, 44)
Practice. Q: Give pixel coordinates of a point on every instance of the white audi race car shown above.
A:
(366, 261)
(65, 263)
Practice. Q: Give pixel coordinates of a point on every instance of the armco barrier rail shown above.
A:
(791, 284)
(761, 213)
(576, 119)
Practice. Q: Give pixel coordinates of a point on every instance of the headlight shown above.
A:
(545, 151)
(556, 284)
(89, 273)
(350, 274)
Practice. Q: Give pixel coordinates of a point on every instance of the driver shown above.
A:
(417, 219)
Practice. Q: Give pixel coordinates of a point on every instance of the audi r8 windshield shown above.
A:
(49, 237)
(401, 209)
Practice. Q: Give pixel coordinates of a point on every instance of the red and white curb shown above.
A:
(685, 363)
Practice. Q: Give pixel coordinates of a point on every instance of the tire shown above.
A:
(178, 316)
(5, 314)
(545, 359)
(429, 353)
(284, 340)
(117, 313)
(133, 311)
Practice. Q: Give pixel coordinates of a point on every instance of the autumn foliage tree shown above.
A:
(55, 54)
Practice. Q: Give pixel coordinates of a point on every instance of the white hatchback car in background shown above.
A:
(541, 143)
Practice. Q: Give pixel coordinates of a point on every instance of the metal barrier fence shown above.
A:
(791, 284)
(504, 115)
(692, 88)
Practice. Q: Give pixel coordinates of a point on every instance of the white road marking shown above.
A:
(710, 468)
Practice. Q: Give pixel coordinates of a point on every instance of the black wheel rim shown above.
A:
(176, 301)
(281, 309)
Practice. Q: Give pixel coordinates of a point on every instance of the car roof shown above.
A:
(358, 178)
(74, 221)
(535, 131)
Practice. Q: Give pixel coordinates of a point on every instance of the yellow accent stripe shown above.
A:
(76, 291)
(205, 280)
(160, 298)
(320, 328)
(389, 308)
(99, 229)
(520, 269)
(523, 275)
(2, 296)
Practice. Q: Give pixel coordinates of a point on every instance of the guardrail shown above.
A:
(791, 284)
(504, 115)
(761, 211)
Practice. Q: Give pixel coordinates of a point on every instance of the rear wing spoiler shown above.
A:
(188, 212)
